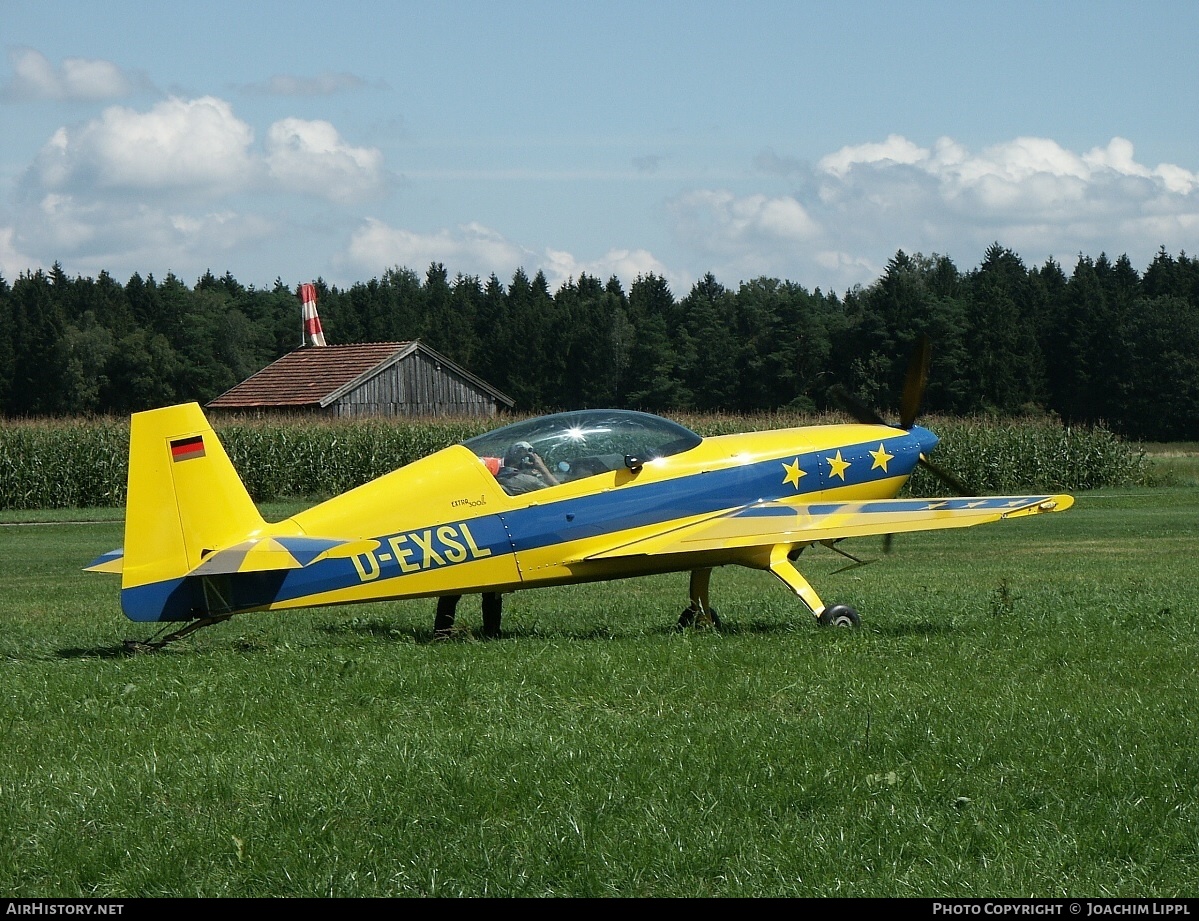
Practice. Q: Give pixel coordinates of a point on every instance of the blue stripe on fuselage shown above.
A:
(634, 506)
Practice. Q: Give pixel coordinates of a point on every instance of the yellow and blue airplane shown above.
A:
(628, 494)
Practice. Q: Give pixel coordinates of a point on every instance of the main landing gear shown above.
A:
(701, 613)
(839, 615)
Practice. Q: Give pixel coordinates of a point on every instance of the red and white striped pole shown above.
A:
(312, 322)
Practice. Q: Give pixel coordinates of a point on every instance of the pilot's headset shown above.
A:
(519, 455)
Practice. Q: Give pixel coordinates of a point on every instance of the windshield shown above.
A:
(583, 443)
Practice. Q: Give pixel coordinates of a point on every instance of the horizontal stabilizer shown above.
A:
(112, 562)
(272, 554)
(264, 554)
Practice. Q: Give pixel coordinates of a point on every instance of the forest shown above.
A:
(1104, 345)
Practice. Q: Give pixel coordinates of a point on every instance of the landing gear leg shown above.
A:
(699, 612)
(493, 603)
(837, 615)
(155, 645)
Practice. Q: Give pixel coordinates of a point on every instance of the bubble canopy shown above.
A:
(589, 441)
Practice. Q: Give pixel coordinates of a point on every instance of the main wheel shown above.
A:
(839, 615)
(689, 616)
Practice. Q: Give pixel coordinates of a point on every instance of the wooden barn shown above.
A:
(365, 379)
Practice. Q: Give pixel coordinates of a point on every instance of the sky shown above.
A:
(803, 141)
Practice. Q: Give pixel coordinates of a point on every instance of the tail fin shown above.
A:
(185, 500)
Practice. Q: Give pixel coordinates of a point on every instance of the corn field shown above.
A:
(997, 457)
(83, 463)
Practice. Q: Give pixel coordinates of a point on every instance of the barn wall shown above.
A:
(415, 386)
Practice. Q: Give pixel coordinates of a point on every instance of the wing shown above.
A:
(772, 523)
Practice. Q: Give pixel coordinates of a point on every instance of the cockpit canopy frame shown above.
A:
(586, 442)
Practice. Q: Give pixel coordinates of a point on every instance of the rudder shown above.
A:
(184, 501)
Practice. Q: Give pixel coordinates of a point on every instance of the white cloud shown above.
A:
(742, 236)
(200, 146)
(626, 264)
(720, 221)
(1024, 171)
(473, 249)
(311, 157)
(894, 150)
(178, 144)
(167, 187)
(12, 262)
(147, 237)
(86, 79)
(170, 186)
(868, 201)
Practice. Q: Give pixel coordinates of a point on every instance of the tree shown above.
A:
(1006, 372)
(493, 330)
(783, 346)
(141, 373)
(1157, 398)
(523, 356)
(438, 329)
(586, 328)
(1102, 345)
(84, 352)
(37, 326)
(708, 370)
(916, 296)
(653, 381)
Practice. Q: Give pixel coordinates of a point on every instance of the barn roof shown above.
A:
(318, 375)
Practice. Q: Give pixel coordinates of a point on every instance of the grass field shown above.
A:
(1016, 717)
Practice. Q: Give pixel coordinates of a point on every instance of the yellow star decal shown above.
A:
(793, 473)
(838, 466)
(880, 458)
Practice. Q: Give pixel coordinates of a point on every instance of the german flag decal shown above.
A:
(187, 448)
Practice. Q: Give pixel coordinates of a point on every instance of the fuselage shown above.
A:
(444, 524)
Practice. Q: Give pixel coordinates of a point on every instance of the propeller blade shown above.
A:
(956, 486)
(856, 407)
(915, 382)
(913, 396)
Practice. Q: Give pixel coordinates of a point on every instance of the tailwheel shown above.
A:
(695, 617)
(839, 615)
(155, 645)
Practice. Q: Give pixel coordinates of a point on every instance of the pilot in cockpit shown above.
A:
(523, 470)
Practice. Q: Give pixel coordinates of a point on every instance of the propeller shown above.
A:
(947, 479)
(914, 383)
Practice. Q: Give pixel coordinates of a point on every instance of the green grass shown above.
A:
(1173, 464)
(1015, 718)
